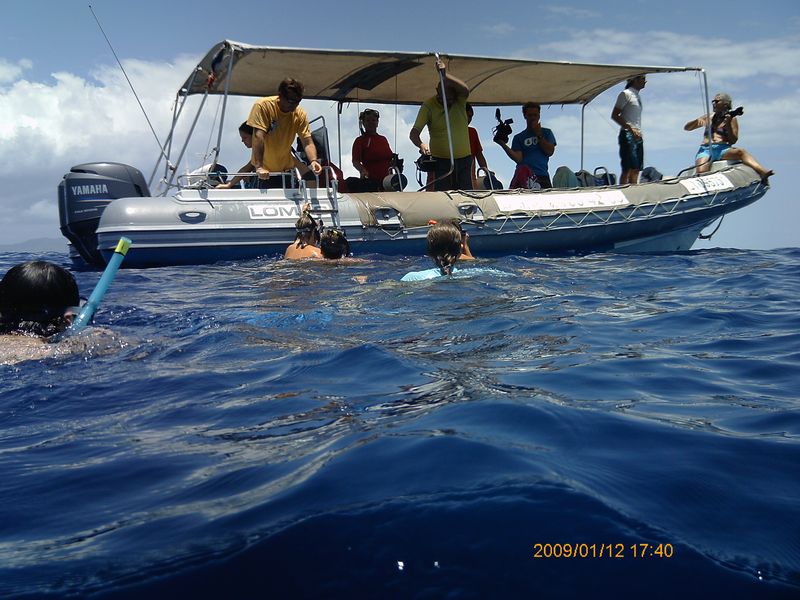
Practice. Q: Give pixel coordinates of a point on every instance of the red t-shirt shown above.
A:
(474, 142)
(374, 153)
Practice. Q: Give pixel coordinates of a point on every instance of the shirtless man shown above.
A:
(724, 133)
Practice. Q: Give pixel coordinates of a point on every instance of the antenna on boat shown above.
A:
(127, 78)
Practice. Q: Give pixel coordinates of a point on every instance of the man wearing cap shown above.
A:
(276, 120)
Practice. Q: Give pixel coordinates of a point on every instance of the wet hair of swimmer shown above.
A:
(334, 244)
(307, 229)
(36, 298)
(444, 245)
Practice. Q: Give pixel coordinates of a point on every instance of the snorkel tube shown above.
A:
(88, 310)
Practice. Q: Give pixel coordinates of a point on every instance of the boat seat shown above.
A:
(585, 179)
(719, 165)
(320, 137)
(565, 178)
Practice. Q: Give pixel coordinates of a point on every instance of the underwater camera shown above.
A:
(736, 112)
(503, 128)
(426, 163)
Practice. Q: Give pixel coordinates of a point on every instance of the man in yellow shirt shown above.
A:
(276, 120)
(431, 115)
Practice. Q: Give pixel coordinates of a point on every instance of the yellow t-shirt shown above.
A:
(431, 113)
(281, 128)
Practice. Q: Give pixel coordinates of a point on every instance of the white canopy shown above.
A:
(403, 77)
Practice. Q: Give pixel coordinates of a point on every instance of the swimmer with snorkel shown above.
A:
(40, 302)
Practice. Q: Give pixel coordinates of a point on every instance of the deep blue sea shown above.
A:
(603, 426)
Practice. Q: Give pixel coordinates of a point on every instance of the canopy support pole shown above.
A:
(186, 143)
(447, 122)
(339, 131)
(583, 123)
(176, 113)
(707, 105)
(224, 106)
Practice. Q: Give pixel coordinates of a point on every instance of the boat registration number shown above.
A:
(710, 183)
(562, 201)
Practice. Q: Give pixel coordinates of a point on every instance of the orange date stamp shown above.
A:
(610, 550)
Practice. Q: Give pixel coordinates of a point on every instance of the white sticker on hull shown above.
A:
(709, 183)
(273, 211)
(564, 201)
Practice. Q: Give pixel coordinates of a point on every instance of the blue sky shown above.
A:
(63, 100)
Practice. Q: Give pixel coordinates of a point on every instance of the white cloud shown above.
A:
(40, 210)
(499, 29)
(727, 59)
(48, 127)
(571, 12)
(74, 119)
(11, 72)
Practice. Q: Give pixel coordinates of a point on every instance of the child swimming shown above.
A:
(444, 247)
(307, 238)
(37, 298)
(334, 245)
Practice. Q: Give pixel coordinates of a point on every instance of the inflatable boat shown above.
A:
(186, 220)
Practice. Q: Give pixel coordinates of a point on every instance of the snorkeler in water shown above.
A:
(38, 301)
(444, 247)
(334, 244)
(466, 253)
(37, 298)
(306, 240)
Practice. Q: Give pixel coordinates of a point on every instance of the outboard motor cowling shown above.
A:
(83, 195)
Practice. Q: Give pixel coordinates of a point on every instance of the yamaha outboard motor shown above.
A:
(83, 195)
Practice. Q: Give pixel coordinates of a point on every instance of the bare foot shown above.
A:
(765, 177)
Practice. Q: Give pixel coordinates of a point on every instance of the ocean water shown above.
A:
(627, 426)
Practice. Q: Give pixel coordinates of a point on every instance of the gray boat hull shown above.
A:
(197, 226)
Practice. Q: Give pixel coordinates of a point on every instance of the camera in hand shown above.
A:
(426, 163)
(503, 128)
(736, 112)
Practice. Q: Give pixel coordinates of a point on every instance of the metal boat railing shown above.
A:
(211, 179)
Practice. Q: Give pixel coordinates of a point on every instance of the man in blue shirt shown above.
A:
(533, 147)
